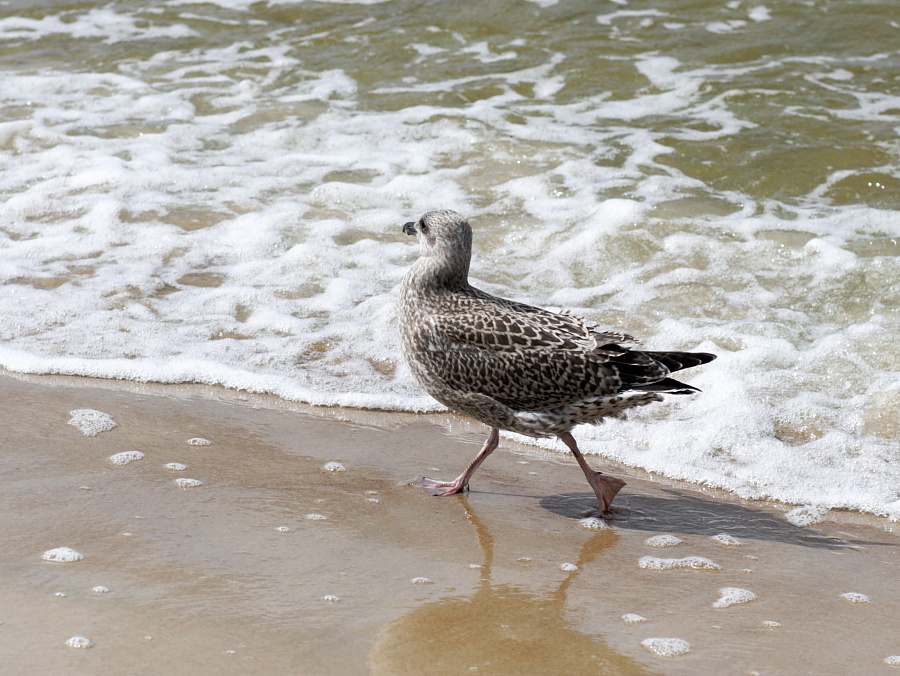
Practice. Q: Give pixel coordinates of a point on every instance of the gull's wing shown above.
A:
(530, 359)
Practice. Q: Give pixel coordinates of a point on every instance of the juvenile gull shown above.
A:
(513, 366)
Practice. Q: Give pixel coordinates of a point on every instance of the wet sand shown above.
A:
(232, 577)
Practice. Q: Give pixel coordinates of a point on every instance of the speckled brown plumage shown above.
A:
(513, 366)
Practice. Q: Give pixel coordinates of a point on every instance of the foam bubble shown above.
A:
(316, 517)
(594, 523)
(731, 596)
(770, 624)
(568, 567)
(666, 647)
(175, 466)
(125, 457)
(331, 597)
(91, 422)
(79, 642)
(892, 660)
(283, 529)
(188, 483)
(334, 467)
(855, 597)
(759, 13)
(726, 539)
(100, 589)
(693, 562)
(61, 595)
(632, 618)
(663, 541)
(199, 441)
(62, 555)
(806, 516)
(421, 580)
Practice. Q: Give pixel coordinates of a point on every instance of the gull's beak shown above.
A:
(409, 228)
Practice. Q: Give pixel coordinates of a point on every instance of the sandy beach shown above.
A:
(274, 564)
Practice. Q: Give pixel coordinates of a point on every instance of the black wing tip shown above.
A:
(667, 386)
(675, 361)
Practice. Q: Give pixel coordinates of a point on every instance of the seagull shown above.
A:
(513, 366)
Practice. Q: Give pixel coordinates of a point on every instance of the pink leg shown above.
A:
(605, 487)
(461, 483)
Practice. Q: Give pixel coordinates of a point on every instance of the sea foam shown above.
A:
(666, 647)
(126, 457)
(730, 596)
(62, 555)
(663, 541)
(79, 642)
(90, 421)
(167, 220)
(692, 562)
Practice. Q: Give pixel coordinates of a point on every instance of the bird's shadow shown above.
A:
(694, 515)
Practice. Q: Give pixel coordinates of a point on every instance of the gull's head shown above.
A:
(442, 233)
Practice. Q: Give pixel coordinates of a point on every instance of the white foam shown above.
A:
(693, 562)
(62, 555)
(175, 466)
(316, 517)
(125, 457)
(421, 580)
(199, 441)
(568, 567)
(331, 598)
(79, 642)
(100, 589)
(130, 251)
(594, 523)
(806, 516)
(666, 647)
(663, 541)
(188, 483)
(633, 618)
(334, 467)
(892, 660)
(726, 539)
(283, 529)
(730, 596)
(770, 624)
(90, 421)
(855, 597)
(760, 13)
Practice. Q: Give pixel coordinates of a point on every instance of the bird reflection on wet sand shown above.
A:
(499, 627)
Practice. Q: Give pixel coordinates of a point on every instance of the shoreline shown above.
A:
(207, 573)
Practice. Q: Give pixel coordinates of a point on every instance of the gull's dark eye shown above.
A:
(422, 225)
